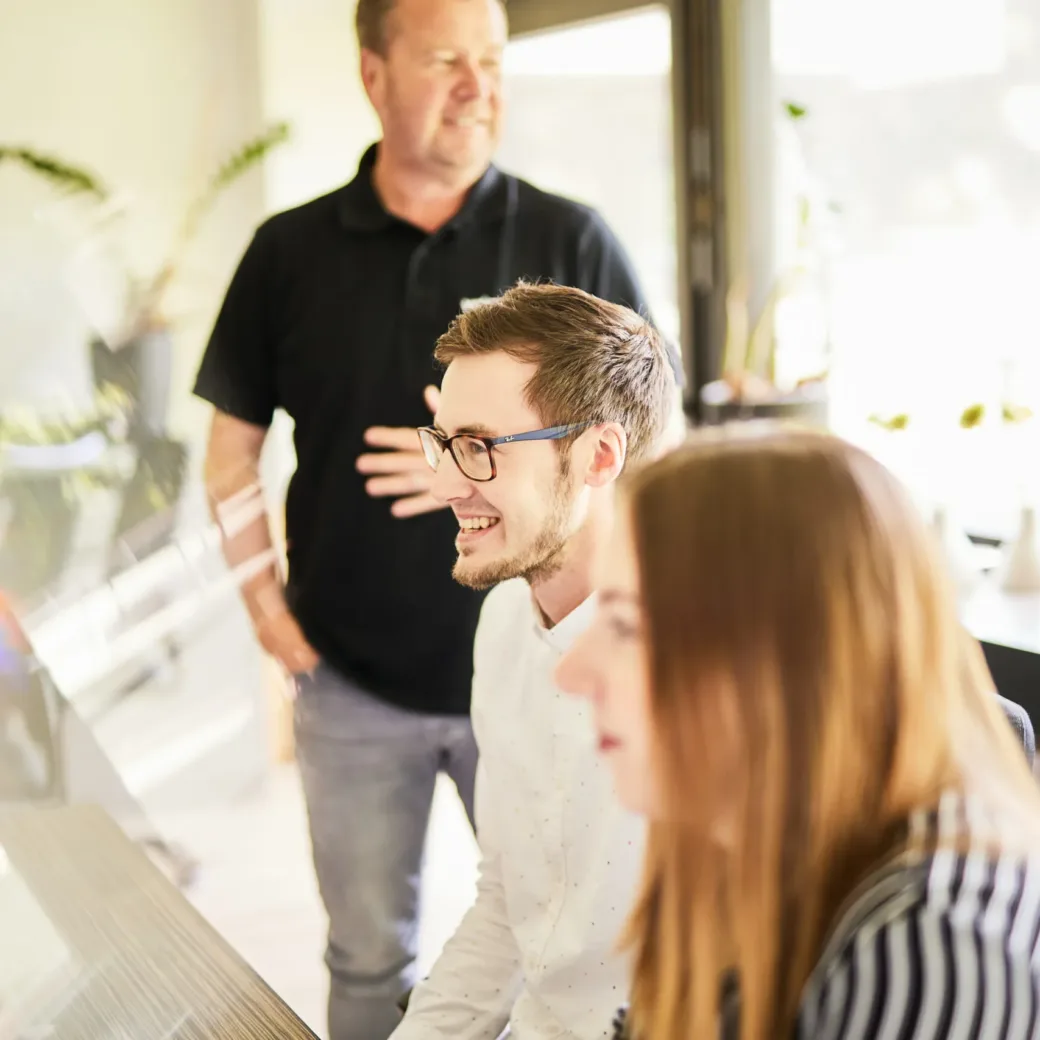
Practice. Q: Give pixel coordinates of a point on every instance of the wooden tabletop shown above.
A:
(96, 944)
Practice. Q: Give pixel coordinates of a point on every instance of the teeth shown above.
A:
(475, 523)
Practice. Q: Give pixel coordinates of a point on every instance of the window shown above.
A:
(921, 139)
(590, 117)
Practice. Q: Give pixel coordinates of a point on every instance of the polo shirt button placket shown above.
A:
(421, 296)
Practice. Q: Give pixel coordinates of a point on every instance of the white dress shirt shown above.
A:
(560, 859)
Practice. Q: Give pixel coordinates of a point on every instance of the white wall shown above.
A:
(309, 59)
(152, 95)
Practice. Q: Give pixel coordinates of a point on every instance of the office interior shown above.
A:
(833, 207)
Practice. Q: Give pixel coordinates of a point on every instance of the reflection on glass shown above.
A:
(36, 969)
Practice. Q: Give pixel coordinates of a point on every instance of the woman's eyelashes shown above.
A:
(623, 628)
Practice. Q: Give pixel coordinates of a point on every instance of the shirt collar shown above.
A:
(360, 208)
(563, 634)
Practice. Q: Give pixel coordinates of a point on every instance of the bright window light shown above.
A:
(635, 44)
(887, 43)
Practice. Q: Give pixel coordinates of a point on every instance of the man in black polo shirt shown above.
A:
(332, 315)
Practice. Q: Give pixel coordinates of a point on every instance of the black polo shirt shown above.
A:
(333, 315)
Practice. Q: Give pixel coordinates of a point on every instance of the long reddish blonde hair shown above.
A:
(811, 687)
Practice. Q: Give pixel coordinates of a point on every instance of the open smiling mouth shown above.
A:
(472, 528)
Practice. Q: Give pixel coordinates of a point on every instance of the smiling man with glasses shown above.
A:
(548, 395)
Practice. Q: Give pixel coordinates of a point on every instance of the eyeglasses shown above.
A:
(475, 456)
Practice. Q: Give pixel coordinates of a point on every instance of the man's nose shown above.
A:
(475, 81)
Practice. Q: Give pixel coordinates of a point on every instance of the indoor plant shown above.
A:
(752, 383)
(131, 377)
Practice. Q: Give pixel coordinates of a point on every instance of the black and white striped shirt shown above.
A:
(945, 947)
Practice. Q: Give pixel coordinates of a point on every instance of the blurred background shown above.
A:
(834, 208)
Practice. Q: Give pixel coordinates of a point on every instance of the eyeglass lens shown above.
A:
(470, 453)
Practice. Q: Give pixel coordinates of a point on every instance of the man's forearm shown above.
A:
(473, 985)
(471, 990)
(238, 507)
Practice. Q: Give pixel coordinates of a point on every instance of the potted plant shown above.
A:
(131, 374)
(139, 355)
(146, 312)
(140, 362)
(753, 384)
(143, 372)
(40, 512)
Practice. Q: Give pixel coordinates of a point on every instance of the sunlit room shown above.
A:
(826, 214)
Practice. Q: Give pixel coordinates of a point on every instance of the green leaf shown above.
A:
(251, 153)
(1015, 413)
(149, 303)
(794, 110)
(247, 156)
(895, 422)
(972, 416)
(61, 174)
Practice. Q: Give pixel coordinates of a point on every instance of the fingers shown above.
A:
(415, 505)
(306, 660)
(304, 663)
(292, 688)
(299, 659)
(397, 438)
(399, 484)
(281, 637)
(402, 469)
(393, 462)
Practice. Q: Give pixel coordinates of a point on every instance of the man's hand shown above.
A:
(282, 638)
(401, 469)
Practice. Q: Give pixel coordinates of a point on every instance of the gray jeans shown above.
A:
(368, 772)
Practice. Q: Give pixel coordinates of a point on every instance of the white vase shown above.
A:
(1021, 568)
(961, 558)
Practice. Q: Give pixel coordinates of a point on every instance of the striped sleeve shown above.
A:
(955, 965)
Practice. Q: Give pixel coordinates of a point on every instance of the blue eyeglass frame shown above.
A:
(548, 433)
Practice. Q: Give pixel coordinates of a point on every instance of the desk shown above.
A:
(1008, 627)
(97, 943)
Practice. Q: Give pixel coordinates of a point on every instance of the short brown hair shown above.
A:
(370, 21)
(597, 361)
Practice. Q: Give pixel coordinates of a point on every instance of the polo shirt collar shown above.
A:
(360, 208)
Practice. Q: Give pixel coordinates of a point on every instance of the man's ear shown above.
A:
(610, 449)
(372, 76)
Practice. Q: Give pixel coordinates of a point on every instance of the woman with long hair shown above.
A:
(844, 833)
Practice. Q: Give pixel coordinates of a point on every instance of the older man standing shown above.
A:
(332, 315)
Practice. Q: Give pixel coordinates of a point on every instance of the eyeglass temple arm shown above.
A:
(551, 433)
